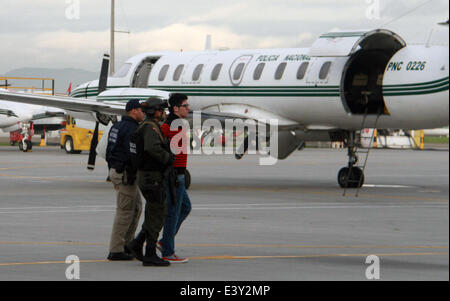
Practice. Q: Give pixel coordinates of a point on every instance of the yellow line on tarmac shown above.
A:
(230, 257)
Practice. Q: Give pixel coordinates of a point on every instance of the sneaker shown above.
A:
(175, 259)
(154, 261)
(159, 246)
(119, 257)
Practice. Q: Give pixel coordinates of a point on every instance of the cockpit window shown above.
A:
(123, 71)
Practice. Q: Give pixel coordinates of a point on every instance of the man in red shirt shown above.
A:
(176, 212)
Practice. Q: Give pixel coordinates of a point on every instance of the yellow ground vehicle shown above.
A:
(75, 139)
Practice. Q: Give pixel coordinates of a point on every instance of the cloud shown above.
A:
(37, 33)
(84, 49)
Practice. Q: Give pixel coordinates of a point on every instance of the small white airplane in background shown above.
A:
(345, 82)
(15, 117)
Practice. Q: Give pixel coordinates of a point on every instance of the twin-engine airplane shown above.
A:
(16, 117)
(345, 82)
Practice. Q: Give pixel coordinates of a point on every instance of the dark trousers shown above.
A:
(155, 215)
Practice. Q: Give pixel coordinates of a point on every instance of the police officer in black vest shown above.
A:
(123, 177)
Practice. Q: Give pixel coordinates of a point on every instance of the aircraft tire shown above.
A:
(358, 177)
(356, 180)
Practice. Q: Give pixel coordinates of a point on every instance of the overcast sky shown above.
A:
(59, 34)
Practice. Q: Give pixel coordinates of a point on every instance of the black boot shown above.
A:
(122, 256)
(135, 246)
(151, 259)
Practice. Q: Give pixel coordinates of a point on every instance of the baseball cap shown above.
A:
(133, 104)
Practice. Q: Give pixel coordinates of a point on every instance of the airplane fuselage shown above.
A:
(404, 86)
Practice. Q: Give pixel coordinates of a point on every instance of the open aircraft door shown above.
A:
(369, 53)
(349, 42)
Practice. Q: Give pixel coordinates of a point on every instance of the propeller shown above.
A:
(102, 84)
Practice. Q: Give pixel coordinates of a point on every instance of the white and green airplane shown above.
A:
(345, 82)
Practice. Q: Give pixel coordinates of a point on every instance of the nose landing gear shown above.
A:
(351, 176)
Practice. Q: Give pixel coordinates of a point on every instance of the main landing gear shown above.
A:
(351, 176)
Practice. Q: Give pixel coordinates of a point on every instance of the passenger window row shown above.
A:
(301, 72)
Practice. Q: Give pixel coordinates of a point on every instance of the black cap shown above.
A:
(133, 104)
(154, 103)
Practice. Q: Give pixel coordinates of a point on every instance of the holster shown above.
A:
(128, 178)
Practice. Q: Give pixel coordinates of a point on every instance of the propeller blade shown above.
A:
(92, 152)
(102, 84)
(103, 81)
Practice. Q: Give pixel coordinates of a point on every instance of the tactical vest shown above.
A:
(139, 158)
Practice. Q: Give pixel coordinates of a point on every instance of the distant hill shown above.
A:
(63, 77)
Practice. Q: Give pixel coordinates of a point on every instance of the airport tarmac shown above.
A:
(249, 222)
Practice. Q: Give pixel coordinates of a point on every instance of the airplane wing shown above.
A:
(66, 103)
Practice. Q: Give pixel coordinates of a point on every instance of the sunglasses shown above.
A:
(185, 106)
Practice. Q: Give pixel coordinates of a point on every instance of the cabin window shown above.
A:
(280, 71)
(216, 71)
(197, 72)
(177, 73)
(302, 70)
(324, 70)
(258, 71)
(163, 73)
(238, 71)
(123, 71)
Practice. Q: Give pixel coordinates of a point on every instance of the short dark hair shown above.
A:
(176, 99)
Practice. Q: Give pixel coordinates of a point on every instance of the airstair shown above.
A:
(356, 166)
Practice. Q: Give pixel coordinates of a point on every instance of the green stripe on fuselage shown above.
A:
(445, 79)
(417, 87)
(430, 87)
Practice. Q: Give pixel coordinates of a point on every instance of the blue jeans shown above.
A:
(176, 214)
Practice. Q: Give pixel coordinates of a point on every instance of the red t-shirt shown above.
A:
(178, 141)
